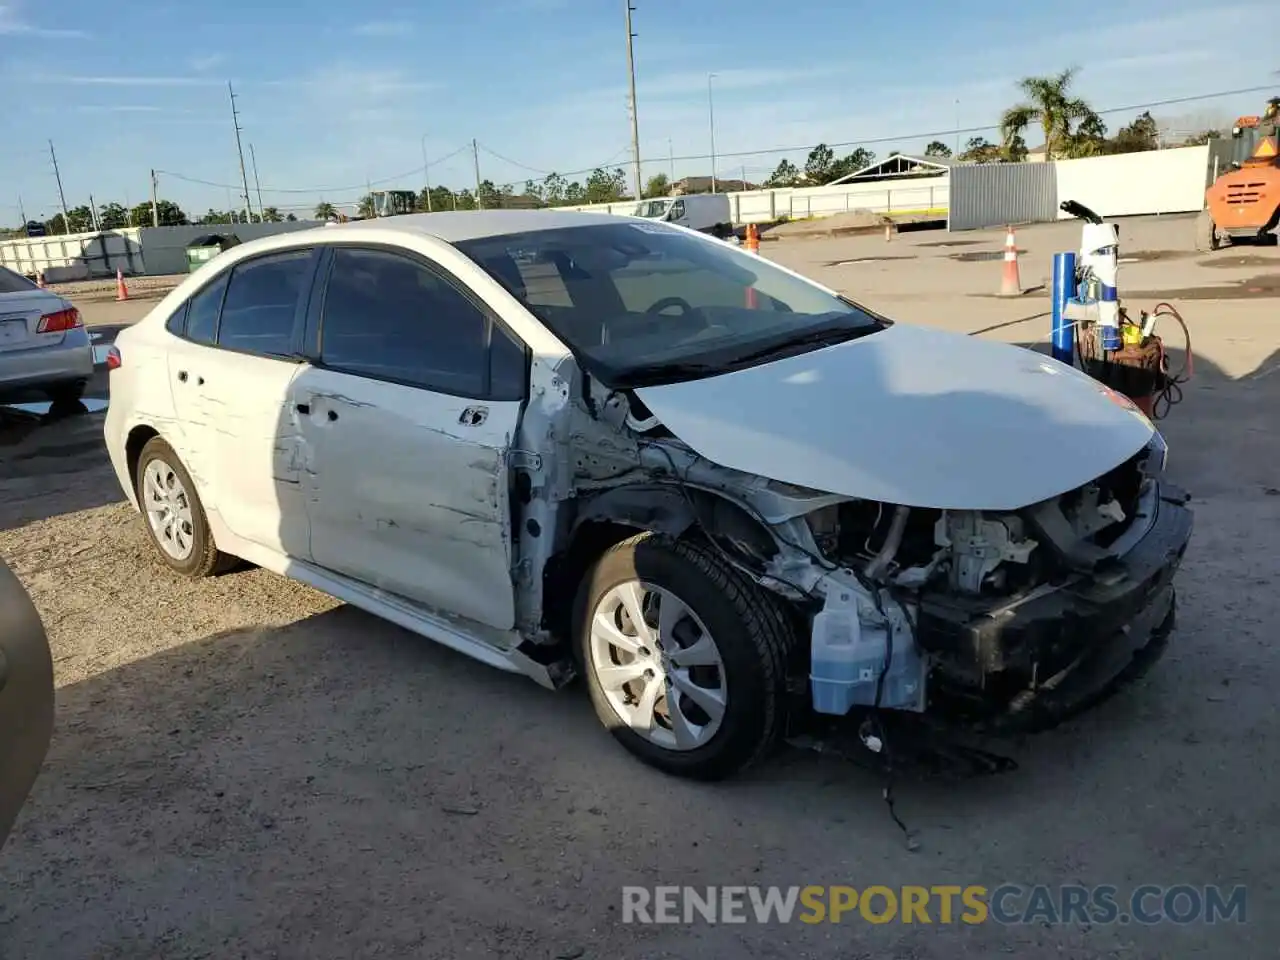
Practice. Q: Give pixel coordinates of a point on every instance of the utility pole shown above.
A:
(253, 157)
(711, 114)
(93, 214)
(155, 204)
(635, 119)
(475, 156)
(426, 171)
(22, 212)
(244, 176)
(62, 198)
(957, 127)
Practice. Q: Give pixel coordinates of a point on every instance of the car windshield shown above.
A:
(642, 304)
(11, 282)
(652, 208)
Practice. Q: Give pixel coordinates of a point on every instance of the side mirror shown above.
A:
(26, 697)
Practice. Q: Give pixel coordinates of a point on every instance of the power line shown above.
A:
(983, 129)
(318, 190)
(560, 173)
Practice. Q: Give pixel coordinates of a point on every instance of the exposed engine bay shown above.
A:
(908, 608)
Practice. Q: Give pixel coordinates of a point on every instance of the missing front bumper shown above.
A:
(1034, 662)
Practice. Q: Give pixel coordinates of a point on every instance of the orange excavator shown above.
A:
(1243, 204)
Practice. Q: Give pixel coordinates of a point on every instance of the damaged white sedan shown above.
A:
(729, 498)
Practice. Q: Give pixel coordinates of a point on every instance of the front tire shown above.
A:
(1206, 233)
(173, 513)
(684, 658)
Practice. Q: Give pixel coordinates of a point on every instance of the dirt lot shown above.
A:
(243, 767)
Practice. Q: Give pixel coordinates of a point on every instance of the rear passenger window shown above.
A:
(202, 312)
(261, 302)
(390, 317)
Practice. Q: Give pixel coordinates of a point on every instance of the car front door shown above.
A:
(231, 384)
(407, 416)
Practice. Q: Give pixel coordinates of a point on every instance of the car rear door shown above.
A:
(407, 415)
(231, 381)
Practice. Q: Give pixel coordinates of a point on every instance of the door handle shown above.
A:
(303, 408)
(332, 415)
(182, 376)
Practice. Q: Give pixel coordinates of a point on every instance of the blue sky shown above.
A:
(335, 94)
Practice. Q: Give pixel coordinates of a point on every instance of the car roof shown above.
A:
(454, 227)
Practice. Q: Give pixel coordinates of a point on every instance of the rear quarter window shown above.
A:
(11, 282)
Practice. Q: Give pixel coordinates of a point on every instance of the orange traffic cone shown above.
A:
(752, 241)
(122, 292)
(1010, 282)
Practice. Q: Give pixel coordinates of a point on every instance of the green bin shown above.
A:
(203, 249)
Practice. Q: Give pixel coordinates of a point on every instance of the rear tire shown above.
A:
(161, 483)
(1206, 233)
(720, 647)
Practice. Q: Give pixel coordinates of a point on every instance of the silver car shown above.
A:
(44, 346)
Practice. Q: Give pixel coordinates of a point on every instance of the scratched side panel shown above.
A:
(407, 490)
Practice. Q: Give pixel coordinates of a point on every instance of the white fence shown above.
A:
(917, 195)
(136, 250)
(1156, 181)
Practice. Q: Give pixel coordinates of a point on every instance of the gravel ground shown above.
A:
(243, 767)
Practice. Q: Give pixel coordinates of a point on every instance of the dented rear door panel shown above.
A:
(407, 490)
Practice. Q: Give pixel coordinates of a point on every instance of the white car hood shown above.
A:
(910, 416)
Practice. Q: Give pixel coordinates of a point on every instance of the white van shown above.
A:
(704, 212)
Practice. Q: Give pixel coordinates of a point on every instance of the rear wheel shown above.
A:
(684, 658)
(174, 514)
(1206, 233)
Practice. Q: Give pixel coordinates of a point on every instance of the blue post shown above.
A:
(1064, 288)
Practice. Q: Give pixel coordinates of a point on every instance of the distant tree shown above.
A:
(291, 218)
(325, 210)
(817, 166)
(574, 193)
(1201, 138)
(81, 219)
(785, 174)
(1142, 134)
(113, 216)
(533, 191)
(271, 215)
(490, 195)
(659, 185)
(851, 163)
(605, 186)
(553, 187)
(216, 216)
(1050, 103)
(441, 199)
(168, 213)
(980, 150)
(466, 201)
(938, 150)
(365, 208)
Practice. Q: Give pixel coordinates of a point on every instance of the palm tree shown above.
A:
(366, 207)
(1050, 103)
(325, 210)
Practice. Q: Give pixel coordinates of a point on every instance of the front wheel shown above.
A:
(1206, 233)
(684, 658)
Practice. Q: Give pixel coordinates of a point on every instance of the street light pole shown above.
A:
(711, 115)
(426, 171)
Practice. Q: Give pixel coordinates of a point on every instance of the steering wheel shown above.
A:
(667, 302)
